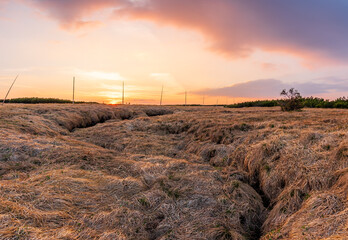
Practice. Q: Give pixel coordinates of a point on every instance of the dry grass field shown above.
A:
(144, 172)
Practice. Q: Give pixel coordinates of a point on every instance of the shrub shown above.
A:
(292, 100)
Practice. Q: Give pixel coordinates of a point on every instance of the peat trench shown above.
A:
(257, 233)
(122, 114)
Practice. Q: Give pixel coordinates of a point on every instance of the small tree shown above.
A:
(292, 100)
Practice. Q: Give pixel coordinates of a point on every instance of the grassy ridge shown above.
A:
(36, 100)
(310, 102)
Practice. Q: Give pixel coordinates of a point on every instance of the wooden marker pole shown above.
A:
(123, 93)
(185, 98)
(9, 90)
(161, 96)
(73, 101)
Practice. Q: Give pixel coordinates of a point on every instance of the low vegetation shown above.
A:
(140, 172)
(309, 102)
(36, 100)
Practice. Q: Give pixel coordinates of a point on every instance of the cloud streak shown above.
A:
(72, 14)
(234, 28)
(271, 88)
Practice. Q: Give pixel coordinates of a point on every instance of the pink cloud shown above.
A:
(312, 29)
(2, 3)
(269, 66)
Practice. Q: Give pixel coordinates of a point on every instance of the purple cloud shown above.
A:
(271, 88)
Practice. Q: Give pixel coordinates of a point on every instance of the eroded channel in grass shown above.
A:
(252, 159)
(242, 206)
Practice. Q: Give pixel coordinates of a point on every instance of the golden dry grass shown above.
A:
(144, 172)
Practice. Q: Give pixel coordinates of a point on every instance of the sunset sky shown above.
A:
(225, 50)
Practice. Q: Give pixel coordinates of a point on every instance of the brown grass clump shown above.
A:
(144, 172)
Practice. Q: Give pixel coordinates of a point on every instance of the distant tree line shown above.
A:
(35, 100)
(309, 102)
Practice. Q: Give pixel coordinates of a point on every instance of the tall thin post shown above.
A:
(161, 96)
(73, 98)
(9, 90)
(185, 98)
(217, 102)
(123, 92)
